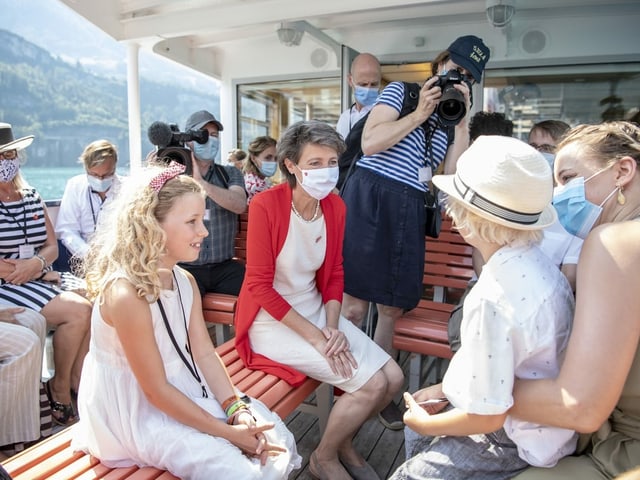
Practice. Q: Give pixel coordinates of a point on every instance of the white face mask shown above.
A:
(318, 182)
(99, 185)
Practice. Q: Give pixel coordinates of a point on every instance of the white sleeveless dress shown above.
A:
(296, 265)
(119, 426)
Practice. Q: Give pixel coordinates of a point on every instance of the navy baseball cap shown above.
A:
(470, 53)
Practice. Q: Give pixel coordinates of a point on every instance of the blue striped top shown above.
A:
(402, 161)
(22, 222)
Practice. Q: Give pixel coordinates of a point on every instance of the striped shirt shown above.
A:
(23, 222)
(402, 161)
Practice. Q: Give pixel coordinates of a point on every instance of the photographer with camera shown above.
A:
(215, 270)
(384, 240)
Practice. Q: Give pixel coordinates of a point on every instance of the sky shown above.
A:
(52, 25)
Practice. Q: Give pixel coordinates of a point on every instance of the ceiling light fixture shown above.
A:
(289, 35)
(500, 12)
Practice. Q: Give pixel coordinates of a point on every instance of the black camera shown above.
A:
(171, 143)
(451, 107)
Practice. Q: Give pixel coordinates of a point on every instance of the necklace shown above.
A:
(315, 215)
(8, 195)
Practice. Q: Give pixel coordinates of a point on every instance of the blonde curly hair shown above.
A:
(129, 239)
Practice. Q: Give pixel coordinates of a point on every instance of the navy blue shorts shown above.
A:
(384, 240)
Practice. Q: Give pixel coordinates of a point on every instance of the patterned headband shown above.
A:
(173, 170)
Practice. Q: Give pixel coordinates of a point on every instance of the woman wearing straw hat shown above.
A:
(516, 324)
(28, 247)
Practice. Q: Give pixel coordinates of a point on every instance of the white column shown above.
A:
(133, 103)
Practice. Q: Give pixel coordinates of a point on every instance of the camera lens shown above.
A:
(451, 108)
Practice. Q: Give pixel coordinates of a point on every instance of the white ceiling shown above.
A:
(215, 24)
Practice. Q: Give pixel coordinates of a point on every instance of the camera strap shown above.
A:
(220, 173)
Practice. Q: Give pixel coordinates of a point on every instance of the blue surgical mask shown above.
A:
(366, 96)
(549, 157)
(268, 168)
(99, 184)
(207, 151)
(577, 214)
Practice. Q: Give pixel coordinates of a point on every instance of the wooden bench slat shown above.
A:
(120, 473)
(295, 397)
(219, 301)
(31, 457)
(78, 467)
(98, 471)
(46, 469)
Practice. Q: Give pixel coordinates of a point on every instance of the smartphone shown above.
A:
(434, 405)
(432, 401)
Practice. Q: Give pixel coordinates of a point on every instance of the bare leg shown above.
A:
(354, 309)
(387, 317)
(70, 314)
(348, 414)
(76, 369)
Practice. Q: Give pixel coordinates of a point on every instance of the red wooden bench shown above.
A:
(423, 330)
(54, 459)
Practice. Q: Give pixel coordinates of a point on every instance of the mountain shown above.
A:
(51, 25)
(69, 98)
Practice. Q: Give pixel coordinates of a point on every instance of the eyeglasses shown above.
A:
(102, 177)
(9, 155)
(544, 148)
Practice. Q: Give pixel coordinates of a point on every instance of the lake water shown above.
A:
(50, 182)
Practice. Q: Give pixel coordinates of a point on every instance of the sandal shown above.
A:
(65, 414)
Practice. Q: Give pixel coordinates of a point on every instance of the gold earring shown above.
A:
(621, 198)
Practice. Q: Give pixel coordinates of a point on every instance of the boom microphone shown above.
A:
(160, 134)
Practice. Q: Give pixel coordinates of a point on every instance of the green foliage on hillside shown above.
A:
(66, 107)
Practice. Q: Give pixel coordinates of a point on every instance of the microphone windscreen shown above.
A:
(160, 134)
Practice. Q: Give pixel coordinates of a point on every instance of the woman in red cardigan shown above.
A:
(288, 319)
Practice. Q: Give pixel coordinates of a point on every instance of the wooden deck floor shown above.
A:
(382, 448)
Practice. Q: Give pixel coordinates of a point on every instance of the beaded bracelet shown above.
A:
(229, 401)
(42, 260)
(231, 420)
(235, 406)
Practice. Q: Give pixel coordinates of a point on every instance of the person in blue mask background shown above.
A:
(260, 166)
(364, 78)
(545, 135)
(215, 270)
(85, 195)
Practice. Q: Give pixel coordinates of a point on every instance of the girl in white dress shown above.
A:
(154, 392)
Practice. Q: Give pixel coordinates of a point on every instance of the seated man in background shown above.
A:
(545, 135)
(215, 270)
(85, 195)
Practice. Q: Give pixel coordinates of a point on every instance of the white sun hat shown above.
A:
(505, 181)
